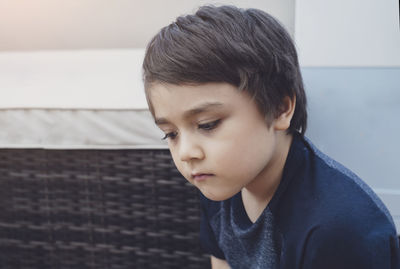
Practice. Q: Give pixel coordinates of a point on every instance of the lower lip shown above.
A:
(202, 177)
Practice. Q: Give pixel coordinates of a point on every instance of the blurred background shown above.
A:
(70, 76)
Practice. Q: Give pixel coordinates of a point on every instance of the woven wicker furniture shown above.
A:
(96, 209)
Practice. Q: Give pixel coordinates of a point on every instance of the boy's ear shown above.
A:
(282, 122)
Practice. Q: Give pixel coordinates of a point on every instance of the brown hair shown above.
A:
(247, 48)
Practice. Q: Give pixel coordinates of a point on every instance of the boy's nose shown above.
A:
(189, 149)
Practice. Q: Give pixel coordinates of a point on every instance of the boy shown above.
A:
(224, 85)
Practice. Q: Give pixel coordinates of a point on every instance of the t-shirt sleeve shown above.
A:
(207, 237)
(347, 247)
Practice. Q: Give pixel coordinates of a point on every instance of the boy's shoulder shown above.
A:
(321, 189)
(333, 188)
(337, 216)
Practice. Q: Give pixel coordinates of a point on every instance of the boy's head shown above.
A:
(225, 87)
(248, 49)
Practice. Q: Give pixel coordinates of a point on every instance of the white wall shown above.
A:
(88, 24)
(348, 32)
(103, 79)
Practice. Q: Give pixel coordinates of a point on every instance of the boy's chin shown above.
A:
(217, 197)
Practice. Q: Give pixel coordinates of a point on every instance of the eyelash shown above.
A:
(209, 126)
(171, 135)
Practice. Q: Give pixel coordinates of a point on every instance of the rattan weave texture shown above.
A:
(96, 209)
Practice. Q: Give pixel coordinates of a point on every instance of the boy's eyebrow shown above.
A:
(191, 112)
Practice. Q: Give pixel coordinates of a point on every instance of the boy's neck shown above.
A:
(259, 193)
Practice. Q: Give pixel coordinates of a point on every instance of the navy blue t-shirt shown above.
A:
(321, 216)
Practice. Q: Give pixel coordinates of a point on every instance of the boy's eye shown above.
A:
(170, 135)
(209, 125)
(205, 126)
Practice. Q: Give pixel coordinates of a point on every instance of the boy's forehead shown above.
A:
(183, 101)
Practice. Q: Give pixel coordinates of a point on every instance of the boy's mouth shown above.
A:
(201, 176)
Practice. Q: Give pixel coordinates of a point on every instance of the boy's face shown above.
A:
(218, 139)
